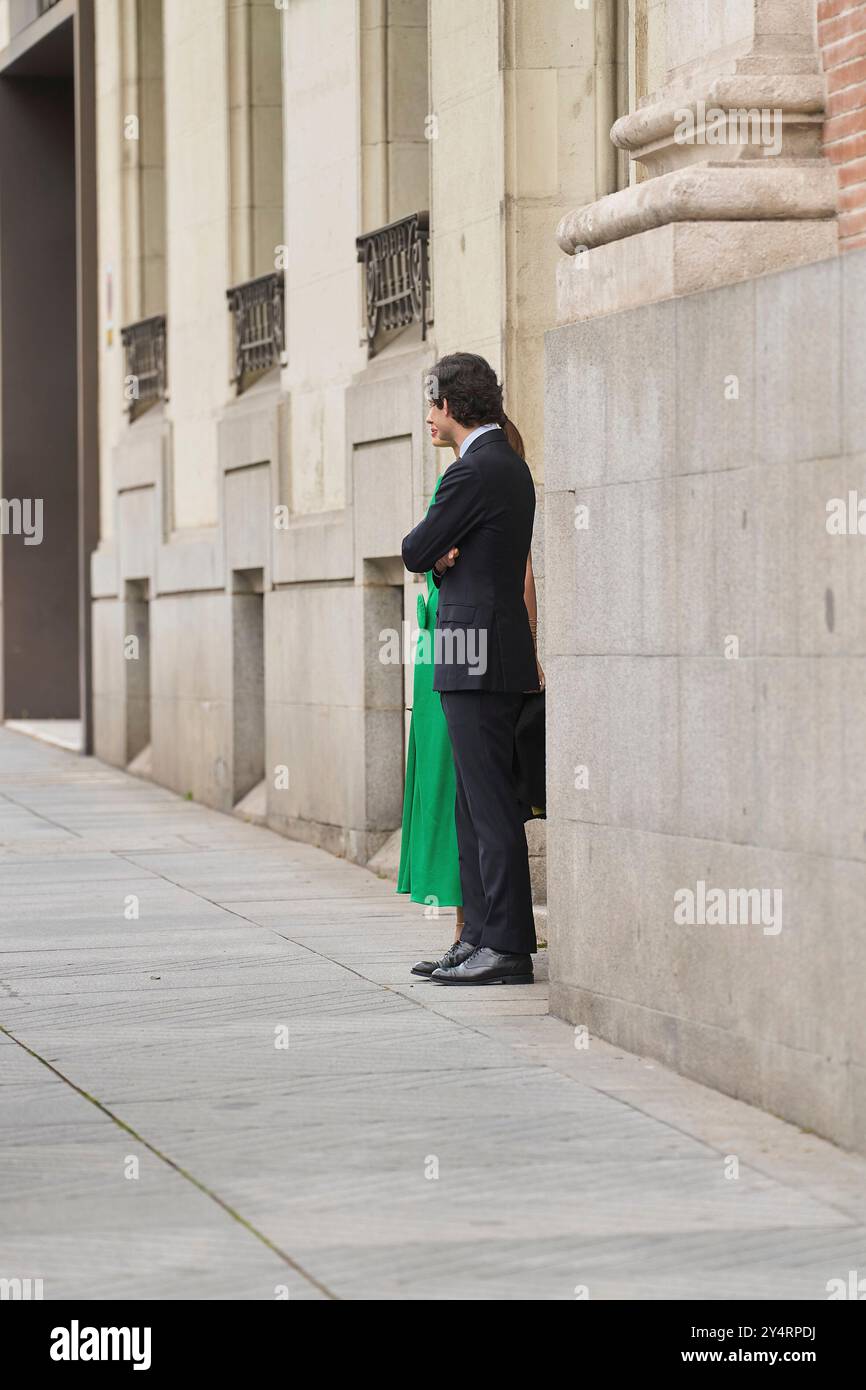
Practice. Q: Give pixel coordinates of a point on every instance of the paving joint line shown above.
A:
(177, 1168)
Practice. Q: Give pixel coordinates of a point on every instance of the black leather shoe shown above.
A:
(486, 967)
(461, 950)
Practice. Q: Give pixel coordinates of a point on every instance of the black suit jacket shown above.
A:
(486, 506)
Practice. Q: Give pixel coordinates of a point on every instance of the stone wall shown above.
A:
(707, 685)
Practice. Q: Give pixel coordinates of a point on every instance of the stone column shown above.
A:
(733, 181)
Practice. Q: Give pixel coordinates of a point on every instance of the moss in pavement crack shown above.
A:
(170, 1162)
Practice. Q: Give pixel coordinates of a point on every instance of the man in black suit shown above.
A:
(475, 538)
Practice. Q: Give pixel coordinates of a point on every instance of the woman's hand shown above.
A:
(540, 670)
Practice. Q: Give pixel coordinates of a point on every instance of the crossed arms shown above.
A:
(457, 508)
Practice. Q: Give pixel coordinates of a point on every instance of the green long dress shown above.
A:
(429, 867)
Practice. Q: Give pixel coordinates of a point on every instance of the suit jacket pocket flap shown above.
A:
(456, 613)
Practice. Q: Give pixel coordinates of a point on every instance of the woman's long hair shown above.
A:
(514, 437)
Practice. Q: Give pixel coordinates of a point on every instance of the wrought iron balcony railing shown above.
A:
(145, 369)
(397, 271)
(259, 326)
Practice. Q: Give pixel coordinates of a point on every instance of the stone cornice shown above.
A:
(700, 193)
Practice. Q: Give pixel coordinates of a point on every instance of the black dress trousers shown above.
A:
(491, 841)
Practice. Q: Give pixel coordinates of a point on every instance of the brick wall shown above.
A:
(842, 40)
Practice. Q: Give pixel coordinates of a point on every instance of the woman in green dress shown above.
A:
(429, 867)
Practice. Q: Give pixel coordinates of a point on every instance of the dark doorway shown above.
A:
(136, 652)
(39, 395)
(248, 682)
(48, 347)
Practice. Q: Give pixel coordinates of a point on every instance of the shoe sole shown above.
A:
(508, 980)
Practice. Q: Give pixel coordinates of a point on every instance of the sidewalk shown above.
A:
(304, 1168)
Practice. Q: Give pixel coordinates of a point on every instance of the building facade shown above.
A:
(648, 215)
(336, 183)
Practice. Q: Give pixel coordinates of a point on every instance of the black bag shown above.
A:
(529, 757)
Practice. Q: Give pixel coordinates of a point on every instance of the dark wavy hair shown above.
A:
(469, 385)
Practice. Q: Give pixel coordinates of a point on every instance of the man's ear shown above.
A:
(445, 408)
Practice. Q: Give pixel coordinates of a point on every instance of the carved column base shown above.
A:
(684, 258)
(733, 181)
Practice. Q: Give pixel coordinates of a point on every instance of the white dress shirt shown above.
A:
(479, 429)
